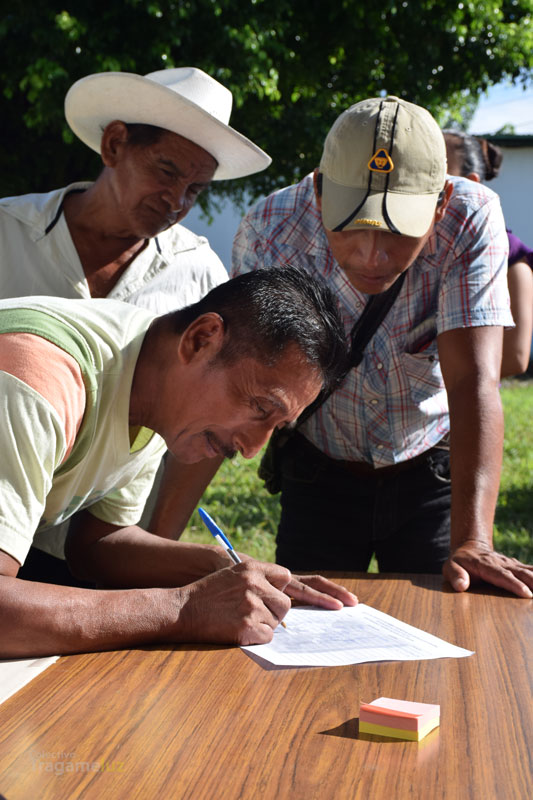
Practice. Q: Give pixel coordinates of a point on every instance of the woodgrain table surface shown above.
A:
(209, 722)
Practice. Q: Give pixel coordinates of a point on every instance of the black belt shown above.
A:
(364, 468)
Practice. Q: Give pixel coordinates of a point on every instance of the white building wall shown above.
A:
(514, 184)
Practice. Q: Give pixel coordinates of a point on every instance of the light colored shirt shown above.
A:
(44, 479)
(394, 405)
(38, 257)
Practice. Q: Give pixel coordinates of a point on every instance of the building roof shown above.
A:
(510, 139)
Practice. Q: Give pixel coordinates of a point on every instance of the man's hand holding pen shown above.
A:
(265, 589)
(244, 603)
(241, 604)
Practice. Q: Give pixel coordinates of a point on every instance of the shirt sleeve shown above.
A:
(474, 285)
(248, 252)
(216, 272)
(125, 506)
(32, 446)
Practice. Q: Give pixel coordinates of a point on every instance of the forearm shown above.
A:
(238, 605)
(39, 619)
(181, 488)
(476, 444)
(133, 558)
(470, 361)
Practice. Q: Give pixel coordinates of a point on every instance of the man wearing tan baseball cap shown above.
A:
(403, 459)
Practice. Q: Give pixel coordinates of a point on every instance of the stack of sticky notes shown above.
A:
(399, 718)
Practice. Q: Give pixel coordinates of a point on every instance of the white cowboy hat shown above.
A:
(184, 100)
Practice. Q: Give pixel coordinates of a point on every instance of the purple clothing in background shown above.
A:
(518, 251)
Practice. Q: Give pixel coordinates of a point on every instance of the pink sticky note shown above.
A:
(402, 714)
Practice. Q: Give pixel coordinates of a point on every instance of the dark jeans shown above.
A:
(332, 519)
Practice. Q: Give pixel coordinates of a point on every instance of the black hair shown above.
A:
(140, 135)
(492, 157)
(475, 154)
(269, 309)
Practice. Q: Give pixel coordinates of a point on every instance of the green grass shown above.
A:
(238, 501)
(513, 529)
(246, 512)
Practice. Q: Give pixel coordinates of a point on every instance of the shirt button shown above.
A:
(379, 365)
(374, 402)
(380, 447)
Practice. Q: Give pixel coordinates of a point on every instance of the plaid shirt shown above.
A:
(394, 405)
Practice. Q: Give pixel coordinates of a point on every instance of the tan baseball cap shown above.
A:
(383, 167)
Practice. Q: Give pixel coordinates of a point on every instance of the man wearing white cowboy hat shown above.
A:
(163, 138)
(371, 471)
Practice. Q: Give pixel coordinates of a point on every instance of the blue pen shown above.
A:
(221, 538)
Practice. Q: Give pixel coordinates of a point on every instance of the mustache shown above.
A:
(219, 446)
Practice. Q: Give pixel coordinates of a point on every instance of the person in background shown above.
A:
(403, 459)
(162, 138)
(479, 160)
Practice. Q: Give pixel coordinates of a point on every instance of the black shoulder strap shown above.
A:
(374, 312)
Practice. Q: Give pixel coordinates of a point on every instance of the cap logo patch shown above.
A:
(381, 162)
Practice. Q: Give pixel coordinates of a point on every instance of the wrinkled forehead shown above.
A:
(297, 380)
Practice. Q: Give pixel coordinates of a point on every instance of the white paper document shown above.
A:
(17, 673)
(315, 637)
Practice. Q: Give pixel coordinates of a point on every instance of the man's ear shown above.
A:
(474, 176)
(114, 139)
(441, 209)
(202, 339)
(317, 184)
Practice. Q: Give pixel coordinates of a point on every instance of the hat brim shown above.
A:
(96, 100)
(411, 215)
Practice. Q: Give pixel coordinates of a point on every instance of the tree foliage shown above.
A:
(292, 65)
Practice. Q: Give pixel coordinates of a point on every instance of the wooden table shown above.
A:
(209, 722)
